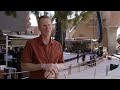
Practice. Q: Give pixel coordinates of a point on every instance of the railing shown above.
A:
(15, 75)
(85, 64)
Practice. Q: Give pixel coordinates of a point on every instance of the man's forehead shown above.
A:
(44, 20)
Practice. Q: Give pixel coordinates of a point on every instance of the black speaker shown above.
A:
(113, 66)
(100, 51)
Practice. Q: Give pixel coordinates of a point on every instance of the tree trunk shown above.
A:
(60, 33)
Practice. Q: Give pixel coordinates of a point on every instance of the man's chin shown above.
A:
(47, 34)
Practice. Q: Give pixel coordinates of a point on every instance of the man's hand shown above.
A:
(51, 68)
(49, 75)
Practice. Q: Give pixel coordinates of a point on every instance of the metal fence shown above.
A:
(15, 75)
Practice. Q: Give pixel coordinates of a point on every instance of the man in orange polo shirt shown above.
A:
(43, 56)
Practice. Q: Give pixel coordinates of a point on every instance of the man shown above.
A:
(43, 56)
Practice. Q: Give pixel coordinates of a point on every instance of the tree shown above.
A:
(62, 19)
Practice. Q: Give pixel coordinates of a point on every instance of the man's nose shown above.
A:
(47, 27)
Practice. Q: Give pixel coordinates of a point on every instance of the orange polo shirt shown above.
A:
(36, 52)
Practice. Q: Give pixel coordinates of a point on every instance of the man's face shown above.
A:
(45, 26)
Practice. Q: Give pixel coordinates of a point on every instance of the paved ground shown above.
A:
(100, 71)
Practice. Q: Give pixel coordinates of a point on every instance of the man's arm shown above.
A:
(34, 67)
(30, 67)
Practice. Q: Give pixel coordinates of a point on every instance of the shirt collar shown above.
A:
(41, 42)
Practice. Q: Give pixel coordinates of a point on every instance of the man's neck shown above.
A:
(46, 39)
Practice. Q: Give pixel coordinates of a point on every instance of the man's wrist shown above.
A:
(42, 66)
(57, 65)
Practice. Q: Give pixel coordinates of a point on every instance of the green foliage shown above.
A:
(85, 14)
(63, 14)
(11, 13)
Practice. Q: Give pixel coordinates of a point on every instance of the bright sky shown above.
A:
(118, 31)
(33, 20)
